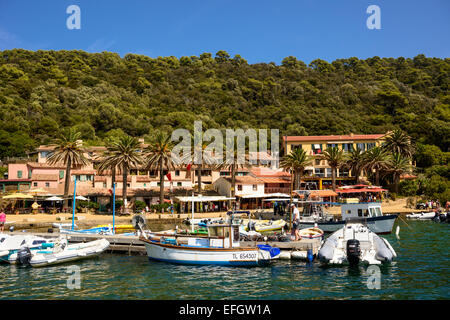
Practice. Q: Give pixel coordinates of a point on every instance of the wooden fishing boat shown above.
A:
(220, 247)
(311, 233)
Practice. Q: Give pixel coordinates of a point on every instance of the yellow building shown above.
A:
(319, 172)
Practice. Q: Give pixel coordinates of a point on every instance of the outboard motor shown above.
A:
(353, 251)
(24, 256)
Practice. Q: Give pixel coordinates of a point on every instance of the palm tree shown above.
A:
(355, 162)
(397, 164)
(123, 153)
(296, 161)
(108, 165)
(233, 161)
(375, 159)
(70, 152)
(207, 161)
(398, 142)
(159, 156)
(335, 159)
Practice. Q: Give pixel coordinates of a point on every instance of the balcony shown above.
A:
(277, 190)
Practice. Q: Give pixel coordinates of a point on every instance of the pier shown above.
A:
(131, 245)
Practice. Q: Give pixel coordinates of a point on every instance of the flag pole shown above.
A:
(114, 206)
(73, 204)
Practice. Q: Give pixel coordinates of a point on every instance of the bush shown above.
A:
(139, 205)
(408, 187)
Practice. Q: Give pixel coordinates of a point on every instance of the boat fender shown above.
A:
(272, 250)
(310, 255)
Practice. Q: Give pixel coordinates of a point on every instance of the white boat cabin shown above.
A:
(361, 210)
(219, 236)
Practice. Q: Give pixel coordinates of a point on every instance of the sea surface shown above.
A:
(420, 272)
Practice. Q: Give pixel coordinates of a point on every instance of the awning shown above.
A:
(361, 190)
(318, 193)
(18, 196)
(265, 195)
(203, 198)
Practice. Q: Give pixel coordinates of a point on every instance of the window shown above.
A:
(47, 184)
(104, 184)
(317, 162)
(44, 154)
(158, 184)
(177, 173)
(239, 187)
(329, 172)
(61, 174)
(225, 173)
(332, 145)
(343, 173)
(370, 145)
(361, 146)
(179, 184)
(316, 148)
(359, 212)
(145, 185)
(320, 172)
(255, 187)
(296, 146)
(29, 173)
(19, 174)
(34, 184)
(347, 147)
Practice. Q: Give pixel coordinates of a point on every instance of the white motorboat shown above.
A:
(313, 214)
(263, 225)
(422, 215)
(61, 252)
(355, 243)
(220, 247)
(11, 244)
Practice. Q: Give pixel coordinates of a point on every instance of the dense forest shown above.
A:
(43, 93)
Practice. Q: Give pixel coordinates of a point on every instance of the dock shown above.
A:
(131, 245)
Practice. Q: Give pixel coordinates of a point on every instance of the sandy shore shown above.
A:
(398, 206)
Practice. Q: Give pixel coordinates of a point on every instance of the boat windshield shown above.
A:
(375, 212)
(312, 209)
(219, 231)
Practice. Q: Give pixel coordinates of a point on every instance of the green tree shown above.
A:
(159, 157)
(70, 152)
(396, 165)
(124, 153)
(354, 161)
(376, 160)
(335, 159)
(398, 142)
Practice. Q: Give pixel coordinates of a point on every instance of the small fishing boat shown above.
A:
(117, 227)
(101, 230)
(311, 233)
(220, 247)
(421, 215)
(355, 243)
(264, 225)
(11, 244)
(61, 252)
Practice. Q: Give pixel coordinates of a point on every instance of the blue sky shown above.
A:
(260, 31)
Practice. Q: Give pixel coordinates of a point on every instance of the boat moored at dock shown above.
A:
(355, 243)
(220, 247)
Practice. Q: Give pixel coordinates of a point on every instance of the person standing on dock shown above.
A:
(296, 222)
(2, 220)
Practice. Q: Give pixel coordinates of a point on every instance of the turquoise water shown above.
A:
(420, 272)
